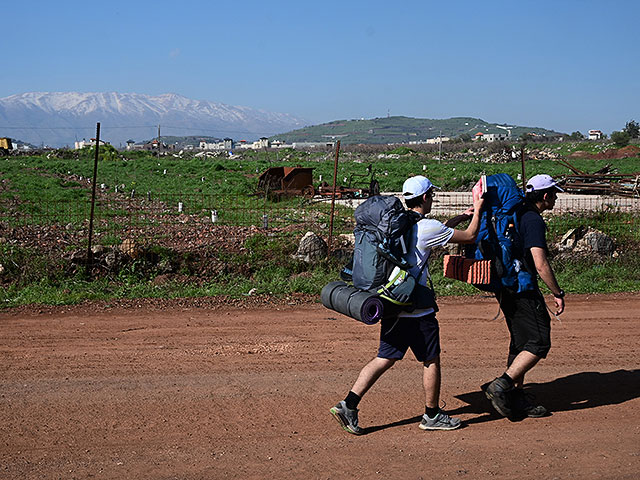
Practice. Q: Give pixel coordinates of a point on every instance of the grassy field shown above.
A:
(51, 178)
(57, 183)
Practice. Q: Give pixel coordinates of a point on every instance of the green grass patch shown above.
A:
(55, 190)
(49, 180)
(621, 274)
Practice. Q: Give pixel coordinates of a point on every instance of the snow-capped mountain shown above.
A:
(61, 118)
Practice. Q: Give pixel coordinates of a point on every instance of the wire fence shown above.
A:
(180, 221)
(617, 217)
(190, 221)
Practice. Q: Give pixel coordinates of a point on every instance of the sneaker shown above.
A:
(498, 393)
(523, 408)
(441, 421)
(347, 418)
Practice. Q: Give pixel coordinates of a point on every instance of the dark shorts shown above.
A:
(421, 334)
(528, 322)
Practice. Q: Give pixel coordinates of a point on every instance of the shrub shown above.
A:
(620, 139)
(498, 147)
(402, 151)
(632, 128)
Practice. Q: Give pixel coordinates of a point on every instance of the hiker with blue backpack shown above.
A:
(414, 324)
(521, 301)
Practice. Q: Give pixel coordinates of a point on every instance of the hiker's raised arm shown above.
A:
(469, 234)
(458, 219)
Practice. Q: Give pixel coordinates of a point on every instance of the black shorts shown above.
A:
(422, 334)
(528, 322)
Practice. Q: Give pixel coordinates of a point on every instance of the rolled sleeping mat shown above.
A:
(340, 298)
(363, 306)
(327, 290)
(366, 307)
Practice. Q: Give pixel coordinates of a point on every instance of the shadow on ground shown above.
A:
(573, 392)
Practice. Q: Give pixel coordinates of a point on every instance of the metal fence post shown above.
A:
(93, 202)
(333, 198)
(524, 177)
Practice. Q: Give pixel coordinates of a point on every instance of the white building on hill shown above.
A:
(595, 134)
(90, 143)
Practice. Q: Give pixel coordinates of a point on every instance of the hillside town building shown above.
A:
(90, 143)
(595, 135)
(225, 144)
(491, 137)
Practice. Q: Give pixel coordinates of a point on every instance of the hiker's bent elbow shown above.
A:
(462, 236)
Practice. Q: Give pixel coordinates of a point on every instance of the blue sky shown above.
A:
(564, 65)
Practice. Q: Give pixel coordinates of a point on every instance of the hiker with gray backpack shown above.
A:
(410, 306)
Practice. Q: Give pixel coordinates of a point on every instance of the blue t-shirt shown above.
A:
(533, 232)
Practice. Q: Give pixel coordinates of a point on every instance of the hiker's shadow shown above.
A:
(573, 392)
(399, 423)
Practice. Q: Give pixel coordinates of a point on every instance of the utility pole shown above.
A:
(159, 142)
(440, 147)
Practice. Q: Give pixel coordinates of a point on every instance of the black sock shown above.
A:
(431, 412)
(352, 400)
(507, 379)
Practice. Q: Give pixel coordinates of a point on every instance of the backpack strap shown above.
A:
(523, 260)
(424, 264)
(429, 286)
(416, 217)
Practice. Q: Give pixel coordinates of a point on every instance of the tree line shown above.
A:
(621, 138)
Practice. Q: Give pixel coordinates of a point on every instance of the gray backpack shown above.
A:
(381, 225)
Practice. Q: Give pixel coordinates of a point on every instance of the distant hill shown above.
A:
(61, 118)
(402, 130)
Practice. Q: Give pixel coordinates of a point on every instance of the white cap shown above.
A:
(416, 186)
(542, 182)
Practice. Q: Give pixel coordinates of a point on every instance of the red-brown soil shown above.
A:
(203, 391)
(629, 151)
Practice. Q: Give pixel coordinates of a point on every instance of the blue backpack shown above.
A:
(503, 206)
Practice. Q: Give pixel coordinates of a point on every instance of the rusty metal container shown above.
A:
(287, 180)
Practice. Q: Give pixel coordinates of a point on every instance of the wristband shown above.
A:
(559, 295)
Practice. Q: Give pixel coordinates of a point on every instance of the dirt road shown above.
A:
(197, 393)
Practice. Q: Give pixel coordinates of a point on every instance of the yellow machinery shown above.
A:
(5, 145)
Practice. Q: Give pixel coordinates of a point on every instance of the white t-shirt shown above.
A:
(426, 234)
